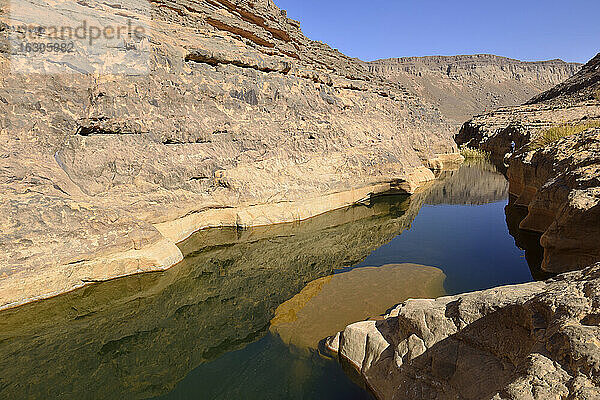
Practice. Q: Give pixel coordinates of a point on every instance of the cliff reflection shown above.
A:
(138, 336)
(475, 182)
(526, 240)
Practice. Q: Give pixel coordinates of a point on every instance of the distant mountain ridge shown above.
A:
(465, 85)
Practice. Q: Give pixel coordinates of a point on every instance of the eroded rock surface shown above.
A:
(532, 341)
(102, 174)
(559, 182)
(463, 86)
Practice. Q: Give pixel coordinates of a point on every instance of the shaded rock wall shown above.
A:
(560, 187)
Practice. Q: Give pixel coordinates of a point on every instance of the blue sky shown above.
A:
(525, 29)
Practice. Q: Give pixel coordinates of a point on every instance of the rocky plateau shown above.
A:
(464, 86)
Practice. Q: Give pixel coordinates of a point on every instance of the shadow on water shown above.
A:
(200, 329)
(526, 240)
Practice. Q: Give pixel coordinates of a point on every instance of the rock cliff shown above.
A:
(463, 86)
(240, 121)
(555, 178)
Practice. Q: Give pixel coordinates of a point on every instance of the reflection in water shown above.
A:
(140, 336)
(476, 182)
(461, 229)
(526, 240)
(327, 305)
(268, 369)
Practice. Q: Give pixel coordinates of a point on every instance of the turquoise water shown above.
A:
(201, 329)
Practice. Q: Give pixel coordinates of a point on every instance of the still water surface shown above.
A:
(202, 330)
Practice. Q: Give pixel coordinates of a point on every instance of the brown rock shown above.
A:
(328, 304)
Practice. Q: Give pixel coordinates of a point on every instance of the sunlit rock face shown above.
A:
(101, 175)
(327, 305)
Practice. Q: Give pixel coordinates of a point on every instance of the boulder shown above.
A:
(530, 341)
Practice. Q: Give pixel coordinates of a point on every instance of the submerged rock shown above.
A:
(328, 304)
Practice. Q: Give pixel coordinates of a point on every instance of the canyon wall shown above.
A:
(555, 178)
(240, 120)
(463, 86)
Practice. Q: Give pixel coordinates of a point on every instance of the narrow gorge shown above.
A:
(220, 207)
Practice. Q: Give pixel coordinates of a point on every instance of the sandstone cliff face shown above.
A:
(531, 341)
(463, 86)
(101, 175)
(558, 182)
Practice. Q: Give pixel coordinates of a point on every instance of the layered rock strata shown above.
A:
(463, 86)
(240, 121)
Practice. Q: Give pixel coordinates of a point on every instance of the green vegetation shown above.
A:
(555, 133)
(471, 154)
